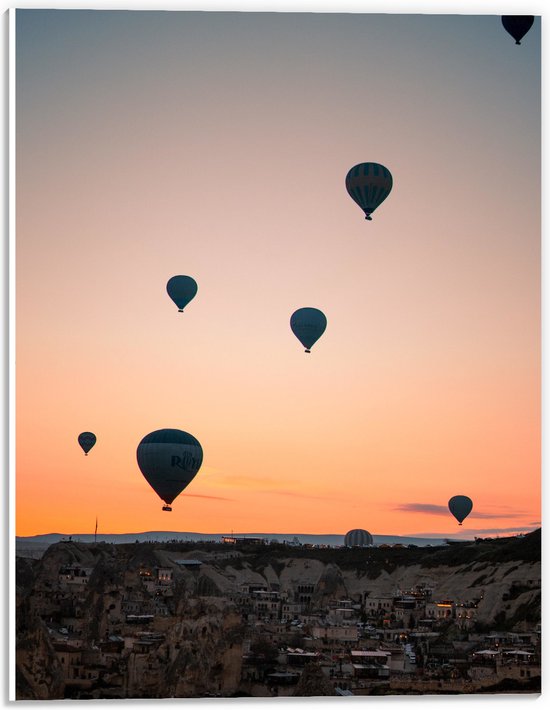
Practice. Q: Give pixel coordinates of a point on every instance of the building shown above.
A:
(377, 605)
(440, 610)
(371, 664)
(231, 540)
(344, 635)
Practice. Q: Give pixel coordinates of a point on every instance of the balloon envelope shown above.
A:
(169, 460)
(308, 324)
(86, 441)
(517, 25)
(181, 290)
(358, 538)
(369, 184)
(460, 507)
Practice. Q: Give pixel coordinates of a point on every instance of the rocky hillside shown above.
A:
(503, 574)
(199, 629)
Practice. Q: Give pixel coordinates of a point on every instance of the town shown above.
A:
(243, 617)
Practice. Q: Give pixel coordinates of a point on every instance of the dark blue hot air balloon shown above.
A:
(181, 290)
(517, 25)
(460, 507)
(369, 184)
(86, 440)
(169, 460)
(308, 324)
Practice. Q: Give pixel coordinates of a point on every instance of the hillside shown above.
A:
(462, 570)
(35, 545)
(77, 605)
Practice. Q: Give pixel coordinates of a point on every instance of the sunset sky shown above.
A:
(216, 145)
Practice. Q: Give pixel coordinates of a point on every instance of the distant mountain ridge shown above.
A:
(165, 536)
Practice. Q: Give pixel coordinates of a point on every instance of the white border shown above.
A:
(11, 355)
(467, 7)
(440, 7)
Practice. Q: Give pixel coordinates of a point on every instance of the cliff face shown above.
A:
(204, 650)
(500, 589)
(74, 636)
(39, 675)
(133, 621)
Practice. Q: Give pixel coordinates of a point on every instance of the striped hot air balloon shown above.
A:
(368, 184)
(358, 538)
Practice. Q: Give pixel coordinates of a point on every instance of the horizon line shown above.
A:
(267, 534)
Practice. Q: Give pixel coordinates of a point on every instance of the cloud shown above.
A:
(470, 532)
(482, 531)
(490, 516)
(198, 495)
(431, 509)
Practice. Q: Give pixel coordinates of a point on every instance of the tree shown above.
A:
(264, 651)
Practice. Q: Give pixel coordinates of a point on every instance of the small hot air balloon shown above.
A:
(308, 324)
(369, 184)
(460, 507)
(358, 538)
(517, 25)
(86, 441)
(169, 460)
(181, 290)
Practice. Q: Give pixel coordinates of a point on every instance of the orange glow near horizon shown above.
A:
(223, 157)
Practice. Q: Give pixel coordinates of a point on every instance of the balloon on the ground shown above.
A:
(86, 440)
(517, 25)
(169, 460)
(308, 324)
(460, 507)
(181, 290)
(358, 538)
(368, 184)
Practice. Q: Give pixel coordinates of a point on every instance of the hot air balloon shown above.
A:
(460, 507)
(517, 25)
(181, 290)
(358, 538)
(308, 324)
(86, 441)
(369, 184)
(169, 460)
